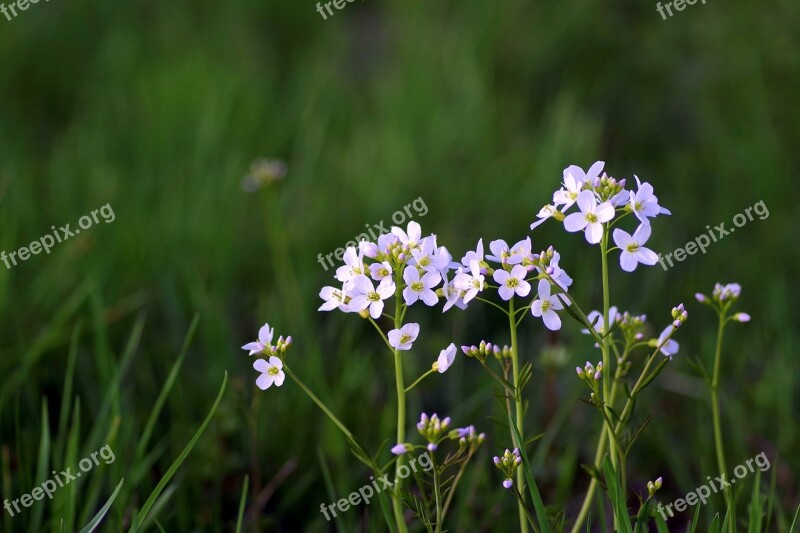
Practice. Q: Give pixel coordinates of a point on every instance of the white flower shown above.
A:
(271, 372)
(574, 178)
(354, 265)
(446, 358)
(264, 341)
(591, 218)
(633, 250)
(410, 238)
(403, 338)
(334, 298)
(670, 348)
(470, 284)
(644, 203)
(546, 306)
(364, 295)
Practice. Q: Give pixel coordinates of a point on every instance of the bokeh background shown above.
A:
(159, 108)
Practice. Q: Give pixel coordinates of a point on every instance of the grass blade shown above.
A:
(94, 522)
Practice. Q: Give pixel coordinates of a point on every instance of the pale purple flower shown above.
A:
(271, 372)
(334, 298)
(633, 250)
(428, 257)
(446, 358)
(508, 483)
(544, 213)
(726, 292)
(644, 203)
(470, 256)
(365, 295)
(410, 238)
(353, 265)
(557, 273)
(265, 335)
(472, 283)
(670, 348)
(546, 306)
(599, 325)
(574, 178)
(591, 218)
(420, 288)
(403, 338)
(512, 282)
(500, 251)
(453, 295)
(741, 317)
(380, 271)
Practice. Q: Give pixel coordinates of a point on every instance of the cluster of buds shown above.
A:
(263, 172)
(722, 297)
(508, 464)
(606, 186)
(468, 437)
(590, 372)
(653, 486)
(723, 293)
(485, 349)
(679, 316)
(432, 428)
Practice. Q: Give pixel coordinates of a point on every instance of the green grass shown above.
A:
(159, 108)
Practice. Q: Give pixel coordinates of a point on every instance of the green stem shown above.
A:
(605, 340)
(520, 415)
(397, 503)
(437, 495)
(718, 444)
(423, 376)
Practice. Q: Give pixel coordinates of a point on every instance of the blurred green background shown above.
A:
(158, 108)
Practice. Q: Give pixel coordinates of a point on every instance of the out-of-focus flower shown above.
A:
(263, 172)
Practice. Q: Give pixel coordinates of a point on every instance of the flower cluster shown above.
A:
(654, 486)
(722, 297)
(599, 199)
(435, 430)
(508, 464)
(271, 368)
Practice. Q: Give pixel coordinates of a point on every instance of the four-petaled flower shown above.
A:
(644, 203)
(420, 288)
(264, 339)
(633, 250)
(403, 338)
(670, 347)
(471, 283)
(546, 306)
(512, 282)
(271, 372)
(591, 218)
(574, 178)
(365, 295)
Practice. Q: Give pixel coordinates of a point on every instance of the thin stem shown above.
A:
(527, 513)
(454, 485)
(423, 376)
(718, 444)
(397, 504)
(491, 303)
(437, 495)
(321, 405)
(380, 331)
(606, 326)
(512, 324)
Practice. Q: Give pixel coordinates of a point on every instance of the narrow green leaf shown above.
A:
(94, 522)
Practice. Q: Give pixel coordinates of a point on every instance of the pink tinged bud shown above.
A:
(680, 308)
(579, 370)
(508, 483)
(639, 336)
(676, 324)
(465, 349)
(741, 317)
(549, 271)
(621, 183)
(700, 297)
(399, 449)
(496, 460)
(432, 447)
(598, 375)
